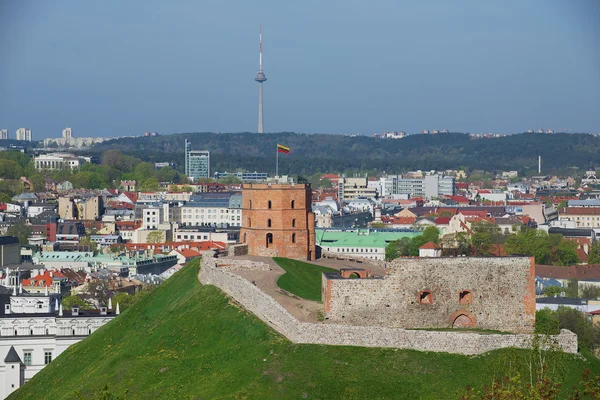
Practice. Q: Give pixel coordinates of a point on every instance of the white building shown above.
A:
(29, 342)
(214, 209)
(429, 186)
(54, 161)
(3, 134)
(24, 134)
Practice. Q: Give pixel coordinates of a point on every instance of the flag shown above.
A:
(282, 149)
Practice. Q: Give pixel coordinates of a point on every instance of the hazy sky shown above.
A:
(113, 68)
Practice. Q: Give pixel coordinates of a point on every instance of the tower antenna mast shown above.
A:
(260, 78)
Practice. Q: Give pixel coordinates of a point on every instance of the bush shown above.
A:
(546, 322)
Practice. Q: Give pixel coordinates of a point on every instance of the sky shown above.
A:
(115, 68)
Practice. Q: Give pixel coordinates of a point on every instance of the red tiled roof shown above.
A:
(188, 253)
(44, 279)
(580, 272)
(430, 245)
(442, 220)
(133, 196)
(581, 211)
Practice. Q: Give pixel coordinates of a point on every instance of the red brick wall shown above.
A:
(256, 214)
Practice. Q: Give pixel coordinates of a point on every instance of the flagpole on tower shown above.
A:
(277, 162)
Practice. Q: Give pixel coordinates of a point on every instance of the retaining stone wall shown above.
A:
(242, 265)
(271, 312)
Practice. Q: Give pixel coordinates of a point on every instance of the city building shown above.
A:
(248, 177)
(216, 209)
(34, 330)
(278, 220)
(56, 161)
(24, 134)
(205, 233)
(81, 207)
(197, 162)
(363, 243)
(3, 134)
(68, 140)
(353, 188)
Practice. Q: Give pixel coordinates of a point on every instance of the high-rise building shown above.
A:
(3, 134)
(67, 133)
(24, 134)
(197, 162)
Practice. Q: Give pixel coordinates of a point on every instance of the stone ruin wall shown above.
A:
(276, 316)
(502, 295)
(361, 262)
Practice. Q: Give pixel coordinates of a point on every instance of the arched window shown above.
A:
(294, 223)
(269, 204)
(293, 203)
(269, 223)
(244, 237)
(249, 203)
(249, 222)
(465, 297)
(269, 239)
(425, 297)
(293, 238)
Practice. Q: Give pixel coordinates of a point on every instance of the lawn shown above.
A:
(190, 341)
(300, 278)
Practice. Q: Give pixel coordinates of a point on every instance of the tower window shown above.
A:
(294, 223)
(293, 238)
(269, 223)
(465, 297)
(269, 204)
(293, 203)
(269, 239)
(249, 203)
(425, 297)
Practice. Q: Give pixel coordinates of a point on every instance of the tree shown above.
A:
(98, 291)
(567, 253)
(143, 171)
(149, 185)
(546, 322)
(594, 254)
(74, 300)
(124, 300)
(553, 291)
(431, 234)
(572, 288)
(482, 242)
(21, 230)
(155, 237)
(5, 198)
(377, 225)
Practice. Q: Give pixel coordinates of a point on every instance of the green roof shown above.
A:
(360, 238)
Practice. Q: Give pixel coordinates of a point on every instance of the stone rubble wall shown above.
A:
(361, 262)
(276, 316)
(242, 265)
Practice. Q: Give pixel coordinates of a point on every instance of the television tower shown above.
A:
(260, 78)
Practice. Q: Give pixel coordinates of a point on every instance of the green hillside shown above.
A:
(188, 341)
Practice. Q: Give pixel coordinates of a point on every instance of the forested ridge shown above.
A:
(311, 153)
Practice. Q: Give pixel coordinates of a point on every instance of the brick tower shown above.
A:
(278, 220)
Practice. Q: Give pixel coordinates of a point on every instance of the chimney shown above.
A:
(75, 311)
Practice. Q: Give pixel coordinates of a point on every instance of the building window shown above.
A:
(269, 204)
(249, 203)
(27, 357)
(293, 203)
(465, 297)
(249, 222)
(425, 297)
(269, 223)
(47, 357)
(269, 239)
(293, 238)
(294, 223)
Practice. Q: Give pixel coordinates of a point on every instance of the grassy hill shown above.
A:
(300, 278)
(189, 341)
